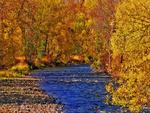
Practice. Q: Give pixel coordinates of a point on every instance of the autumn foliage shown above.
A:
(131, 55)
(112, 36)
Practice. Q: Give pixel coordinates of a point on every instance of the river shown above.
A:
(77, 88)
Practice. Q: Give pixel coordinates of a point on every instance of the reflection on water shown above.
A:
(78, 88)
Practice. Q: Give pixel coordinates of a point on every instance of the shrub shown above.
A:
(9, 74)
(21, 68)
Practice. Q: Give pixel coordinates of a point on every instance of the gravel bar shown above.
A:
(24, 95)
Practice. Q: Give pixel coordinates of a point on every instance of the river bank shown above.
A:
(24, 95)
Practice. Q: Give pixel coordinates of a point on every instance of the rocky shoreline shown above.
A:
(24, 95)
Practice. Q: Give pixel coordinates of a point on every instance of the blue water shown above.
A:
(77, 88)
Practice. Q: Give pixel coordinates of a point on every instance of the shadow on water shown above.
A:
(77, 88)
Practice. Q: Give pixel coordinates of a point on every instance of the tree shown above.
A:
(131, 47)
(8, 32)
(102, 13)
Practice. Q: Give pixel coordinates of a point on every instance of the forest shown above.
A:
(112, 36)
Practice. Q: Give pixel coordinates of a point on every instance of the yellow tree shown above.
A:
(131, 47)
(102, 13)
